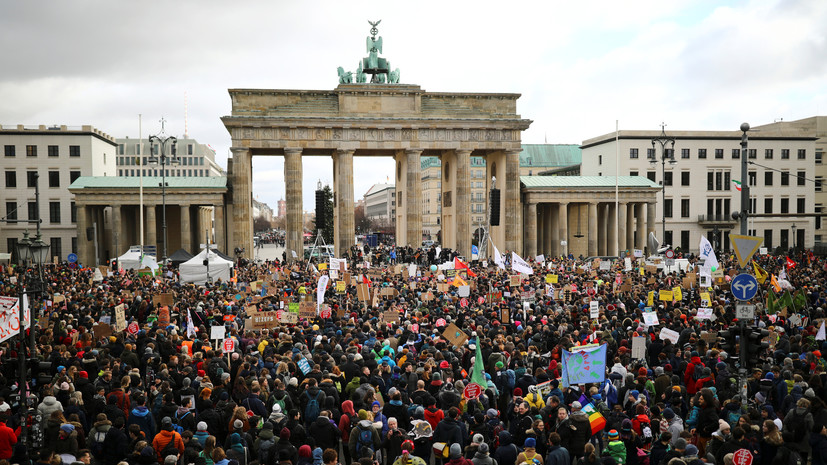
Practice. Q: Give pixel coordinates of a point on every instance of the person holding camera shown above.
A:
(392, 442)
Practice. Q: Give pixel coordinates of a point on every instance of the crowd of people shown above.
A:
(360, 387)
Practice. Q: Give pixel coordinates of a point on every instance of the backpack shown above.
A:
(176, 426)
(365, 439)
(799, 428)
(412, 409)
(170, 448)
(312, 410)
(97, 444)
(697, 373)
(496, 434)
(280, 403)
(265, 452)
(646, 432)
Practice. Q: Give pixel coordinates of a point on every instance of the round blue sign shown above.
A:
(72, 258)
(744, 286)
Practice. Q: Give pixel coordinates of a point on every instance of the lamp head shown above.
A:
(744, 127)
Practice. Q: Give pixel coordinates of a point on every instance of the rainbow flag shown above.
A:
(596, 419)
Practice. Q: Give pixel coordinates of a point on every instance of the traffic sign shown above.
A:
(472, 391)
(744, 311)
(229, 345)
(744, 286)
(325, 313)
(463, 302)
(742, 457)
(670, 253)
(72, 258)
(73, 265)
(745, 247)
(669, 262)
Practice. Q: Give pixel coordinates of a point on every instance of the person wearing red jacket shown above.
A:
(8, 439)
(695, 363)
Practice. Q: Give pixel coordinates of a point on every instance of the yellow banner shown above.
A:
(651, 300)
(551, 278)
(677, 293)
(665, 296)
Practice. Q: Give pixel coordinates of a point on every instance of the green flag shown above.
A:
(787, 301)
(477, 373)
(772, 303)
(800, 300)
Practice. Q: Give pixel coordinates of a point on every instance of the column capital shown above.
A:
(463, 151)
(413, 151)
(239, 149)
(562, 203)
(292, 150)
(343, 151)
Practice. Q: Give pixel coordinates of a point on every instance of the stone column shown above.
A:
(220, 229)
(242, 183)
(650, 222)
(186, 229)
(346, 229)
(611, 230)
(563, 227)
(530, 249)
(601, 228)
(621, 228)
(84, 246)
(413, 188)
(630, 226)
(640, 229)
(117, 224)
(151, 227)
(545, 228)
(511, 195)
(592, 248)
(554, 230)
(462, 211)
(295, 215)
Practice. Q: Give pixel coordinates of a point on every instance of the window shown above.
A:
(819, 156)
(600, 159)
(768, 238)
(736, 154)
(802, 178)
(800, 204)
(768, 154)
(137, 149)
(54, 178)
(31, 150)
(652, 175)
(710, 181)
(685, 153)
(667, 178)
(802, 154)
(719, 178)
(74, 245)
(33, 214)
(753, 153)
(819, 209)
(9, 149)
(56, 247)
(753, 207)
(73, 212)
(631, 173)
(684, 208)
(73, 175)
(753, 178)
(74, 151)
(667, 208)
(719, 153)
(785, 178)
(11, 211)
(727, 181)
(768, 205)
(684, 240)
(785, 154)
(54, 212)
(11, 179)
(701, 153)
(120, 172)
(31, 178)
(785, 205)
(667, 237)
(819, 180)
(768, 178)
(684, 178)
(650, 154)
(120, 149)
(189, 149)
(53, 150)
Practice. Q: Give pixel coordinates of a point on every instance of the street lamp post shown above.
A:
(793, 228)
(665, 155)
(162, 139)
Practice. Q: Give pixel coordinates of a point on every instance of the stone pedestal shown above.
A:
(84, 247)
(295, 220)
(117, 224)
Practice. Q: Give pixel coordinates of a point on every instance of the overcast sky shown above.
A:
(579, 65)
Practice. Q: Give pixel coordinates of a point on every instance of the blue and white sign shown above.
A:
(72, 258)
(744, 286)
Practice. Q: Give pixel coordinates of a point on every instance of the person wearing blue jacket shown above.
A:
(142, 416)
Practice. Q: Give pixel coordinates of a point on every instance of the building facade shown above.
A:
(380, 204)
(261, 209)
(194, 159)
(700, 187)
(53, 157)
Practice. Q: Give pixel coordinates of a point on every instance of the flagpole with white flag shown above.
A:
(140, 185)
(822, 333)
(708, 254)
(520, 265)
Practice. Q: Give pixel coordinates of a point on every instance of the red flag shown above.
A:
(458, 264)
(790, 263)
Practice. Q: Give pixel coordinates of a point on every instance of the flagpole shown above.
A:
(617, 194)
(141, 186)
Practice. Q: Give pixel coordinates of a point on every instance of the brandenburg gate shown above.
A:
(378, 118)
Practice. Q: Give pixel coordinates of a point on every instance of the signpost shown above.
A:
(72, 258)
(742, 457)
(745, 247)
(744, 311)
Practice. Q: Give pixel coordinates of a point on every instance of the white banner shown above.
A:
(650, 318)
(594, 309)
(338, 264)
(540, 258)
(498, 258)
(322, 286)
(667, 334)
(9, 317)
(519, 265)
(627, 264)
(704, 314)
(708, 254)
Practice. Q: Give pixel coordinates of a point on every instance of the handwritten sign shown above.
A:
(551, 278)
(639, 348)
(594, 309)
(162, 299)
(586, 364)
(260, 320)
(667, 334)
(650, 318)
(665, 296)
(288, 318)
(341, 287)
(454, 335)
(514, 280)
(307, 310)
(120, 318)
(704, 314)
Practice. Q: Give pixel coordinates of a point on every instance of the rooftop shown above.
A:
(150, 182)
(378, 188)
(42, 129)
(587, 181)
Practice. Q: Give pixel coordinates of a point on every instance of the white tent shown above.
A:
(194, 271)
(132, 261)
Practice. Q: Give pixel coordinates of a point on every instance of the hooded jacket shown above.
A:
(49, 405)
(324, 433)
(688, 376)
(345, 424)
(142, 417)
(354, 438)
(506, 453)
(7, 441)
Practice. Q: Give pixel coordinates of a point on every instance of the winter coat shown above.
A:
(818, 446)
(164, 437)
(449, 432)
(324, 433)
(115, 446)
(67, 445)
(506, 453)
(354, 438)
(707, 422)
(7, 441)
(558, 456)
(581, 434)
(49, 405)
(482, 459)
(617, 450)
(142, 417)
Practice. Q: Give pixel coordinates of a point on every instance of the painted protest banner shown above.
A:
(9, 317)
(288, 318)
(667, 334)
(639, 347)
(665, 296)
(341, 287)
(514, 280)
(120, 318)
(586, 364)
(650, 318)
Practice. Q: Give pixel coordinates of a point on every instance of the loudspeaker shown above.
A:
(494, 197)
(321, 212)
(90, 234)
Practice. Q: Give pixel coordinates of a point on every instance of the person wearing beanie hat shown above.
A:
(615, 447)
(364, 438)
(529, 453)
(691, 451)
(167, 436)
(201, 434)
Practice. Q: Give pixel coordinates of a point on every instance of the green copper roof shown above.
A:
(133, 182)
(550, 155)
(587, 181)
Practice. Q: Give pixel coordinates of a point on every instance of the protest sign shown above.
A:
(9, 317)
(217, 332)
(341, 287)
(650, 319)
(594, 309)
(583, 365)
(454, 335)
(677, 293)
(665, 296)
(288, 318)
(704, 314)
(639, 347)
(162, 299)
(101, 330)
(514, 280)
(551, 278)
(260, 320)
(667, 334)
(120, 318)
(307, 310)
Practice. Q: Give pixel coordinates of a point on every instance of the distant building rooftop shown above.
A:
(150, 182)
(587, 181)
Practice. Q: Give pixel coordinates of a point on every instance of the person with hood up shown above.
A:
(324, 432)
(706, 380)
(581, 430)
(615, 448)
(455, 456)
(346, 423)
(237, 451)
(318, 455)
(363, 436)
(166, 436)
(695, 363)
(285, 447)
(140, 415)
(557, 454)
(450, 430)
(529, 453)
(265, 445)
(506, 453)
(49, 405)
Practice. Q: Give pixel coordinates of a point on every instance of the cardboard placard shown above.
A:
(363, 292)
(58, 298)
(454, 335)
(709, 337)
(307, 310)
(261, 320)
(389, 292)
(288, 318)
(428, 296)
(162, 299)
(505, 315)
(665, 296)
(390, 316)
(514, 280)
(650, 269)
(120, 318)
(101, 330)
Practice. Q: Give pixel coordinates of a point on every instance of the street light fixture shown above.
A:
(163, 160)
(793, 228)
(665, 155)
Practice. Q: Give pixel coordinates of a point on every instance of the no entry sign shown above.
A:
(742, 457)
(472, 391)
